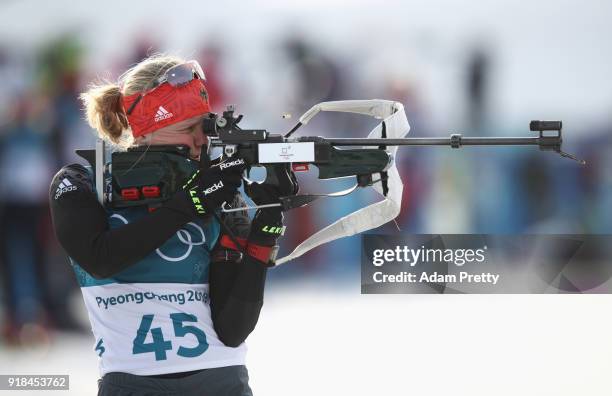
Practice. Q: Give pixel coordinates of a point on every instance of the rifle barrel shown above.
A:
(461, 141)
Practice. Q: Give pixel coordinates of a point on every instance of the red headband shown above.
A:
(166, 105)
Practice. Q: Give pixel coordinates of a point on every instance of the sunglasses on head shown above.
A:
(176, 76)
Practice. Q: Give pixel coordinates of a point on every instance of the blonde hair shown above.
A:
(102, 100)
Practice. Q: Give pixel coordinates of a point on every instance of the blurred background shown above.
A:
(477, 68)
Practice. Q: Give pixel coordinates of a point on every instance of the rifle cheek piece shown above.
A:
(155, 173)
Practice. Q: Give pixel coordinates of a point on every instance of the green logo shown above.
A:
(196, 202)
(274, 230)
(191, 179)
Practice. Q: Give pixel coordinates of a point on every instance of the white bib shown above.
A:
(156, 328)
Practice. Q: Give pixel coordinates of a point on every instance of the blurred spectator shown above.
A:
(59, 76)
(41, 131)
(211, 58)
(478, 71)
(318, 76)
(26, 164)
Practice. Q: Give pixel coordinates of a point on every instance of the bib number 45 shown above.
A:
(159, 345)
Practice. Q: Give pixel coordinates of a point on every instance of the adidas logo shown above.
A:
(63, 187)
(162, 114)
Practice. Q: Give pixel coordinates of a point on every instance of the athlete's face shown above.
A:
(188, 132)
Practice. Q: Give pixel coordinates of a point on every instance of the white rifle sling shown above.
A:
(376, 214)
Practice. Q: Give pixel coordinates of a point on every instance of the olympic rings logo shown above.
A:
(183, 235)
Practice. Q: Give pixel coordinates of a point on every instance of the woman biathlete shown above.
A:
(170, 297)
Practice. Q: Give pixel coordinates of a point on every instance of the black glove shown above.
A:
(208, 188)
(266, 228)
(267, 225)
(280, 182)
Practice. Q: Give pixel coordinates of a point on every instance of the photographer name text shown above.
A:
(424, 256)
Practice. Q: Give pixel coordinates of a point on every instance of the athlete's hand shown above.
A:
(209, 188)
(280, 182)
(267, 225)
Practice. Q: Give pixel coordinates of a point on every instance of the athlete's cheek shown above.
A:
(199, 139)
(195, 147)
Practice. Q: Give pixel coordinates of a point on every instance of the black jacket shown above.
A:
(81, 226)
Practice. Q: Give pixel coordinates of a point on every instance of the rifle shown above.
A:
(150, 175)
(360, 157)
